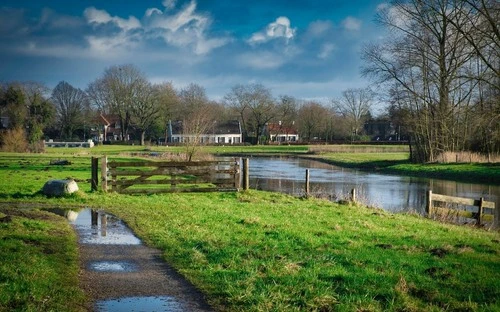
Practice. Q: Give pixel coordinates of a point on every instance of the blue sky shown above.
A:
(308, 49)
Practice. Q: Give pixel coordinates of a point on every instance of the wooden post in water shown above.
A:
(93, 217)
(428, 206)
(480, 211)
(353, 195)
(104, 223)
(93, 177)
(307, 182)
(104, 173)
(246, 177)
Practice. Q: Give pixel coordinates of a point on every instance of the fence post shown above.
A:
(93, 217)
(104, 173)
(428, 206)
(480, 211)
(93, 176)
(353, 195)
(246, 178)
(307, 182)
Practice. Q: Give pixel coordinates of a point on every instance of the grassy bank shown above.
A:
(255, 251)
(260, 251)
(39, 266)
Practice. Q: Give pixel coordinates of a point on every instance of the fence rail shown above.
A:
(480, 203)
(149, 177)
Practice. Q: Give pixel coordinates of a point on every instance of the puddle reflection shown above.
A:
(98, 227)
(113, 266)
(145, 304)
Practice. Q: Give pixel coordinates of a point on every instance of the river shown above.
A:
(390, 192)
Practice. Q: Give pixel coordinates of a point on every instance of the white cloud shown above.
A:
(351, 23)
(184, 28)
(383, 6)
(277, 29)
(261, 60)
(95, 16)
(169, 4)
(152, 11)
(318, 28)
(326, 50)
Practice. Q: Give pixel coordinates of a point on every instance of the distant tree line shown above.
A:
(144, 109)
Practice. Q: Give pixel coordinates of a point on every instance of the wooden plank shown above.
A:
(462, 213)
(177, 190)
(170, 171)
(115, 164)
(462, 201)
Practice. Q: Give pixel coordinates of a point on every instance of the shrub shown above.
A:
(14, 140)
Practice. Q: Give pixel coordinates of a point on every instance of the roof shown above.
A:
(277, 128)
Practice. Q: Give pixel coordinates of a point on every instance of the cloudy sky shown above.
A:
(309, 49)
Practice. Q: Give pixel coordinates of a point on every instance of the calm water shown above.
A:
(390, 192)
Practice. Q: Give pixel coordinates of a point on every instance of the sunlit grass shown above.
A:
(39, 267)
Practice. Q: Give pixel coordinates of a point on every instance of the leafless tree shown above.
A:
(145, 107)
(425, 65)
(355, 105)
(70, 105)
(313, 121)
(255, 106)
(117, 91)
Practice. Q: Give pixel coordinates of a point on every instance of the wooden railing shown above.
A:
(480, 203)
(149, 177)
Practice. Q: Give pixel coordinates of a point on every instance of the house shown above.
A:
(278, 132)
(106, 128)
(219, 132)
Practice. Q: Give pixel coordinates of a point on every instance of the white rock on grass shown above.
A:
(59, 187)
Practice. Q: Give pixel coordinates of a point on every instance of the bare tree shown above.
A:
(355, 106)
(70, 105)
(313, 121)
(197, 116)
(425, 65)
(255, 105)
(145, 107)
(116, 92)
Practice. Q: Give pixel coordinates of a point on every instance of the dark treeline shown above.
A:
(143, 110)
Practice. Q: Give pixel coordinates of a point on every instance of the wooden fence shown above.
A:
(149, 177)
(480, 203)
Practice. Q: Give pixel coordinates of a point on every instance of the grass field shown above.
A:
(39, 267)
(250, 251)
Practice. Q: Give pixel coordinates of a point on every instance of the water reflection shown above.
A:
(98, 227)
(390, 192)
(162, 303)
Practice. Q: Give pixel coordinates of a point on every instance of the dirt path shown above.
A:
(119, 273)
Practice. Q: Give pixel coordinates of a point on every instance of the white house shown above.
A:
(221, 132)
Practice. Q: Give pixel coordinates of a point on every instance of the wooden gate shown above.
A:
(149, 177)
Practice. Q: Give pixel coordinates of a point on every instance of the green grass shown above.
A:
(261, 251)
(252, 251)
(39, 267)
